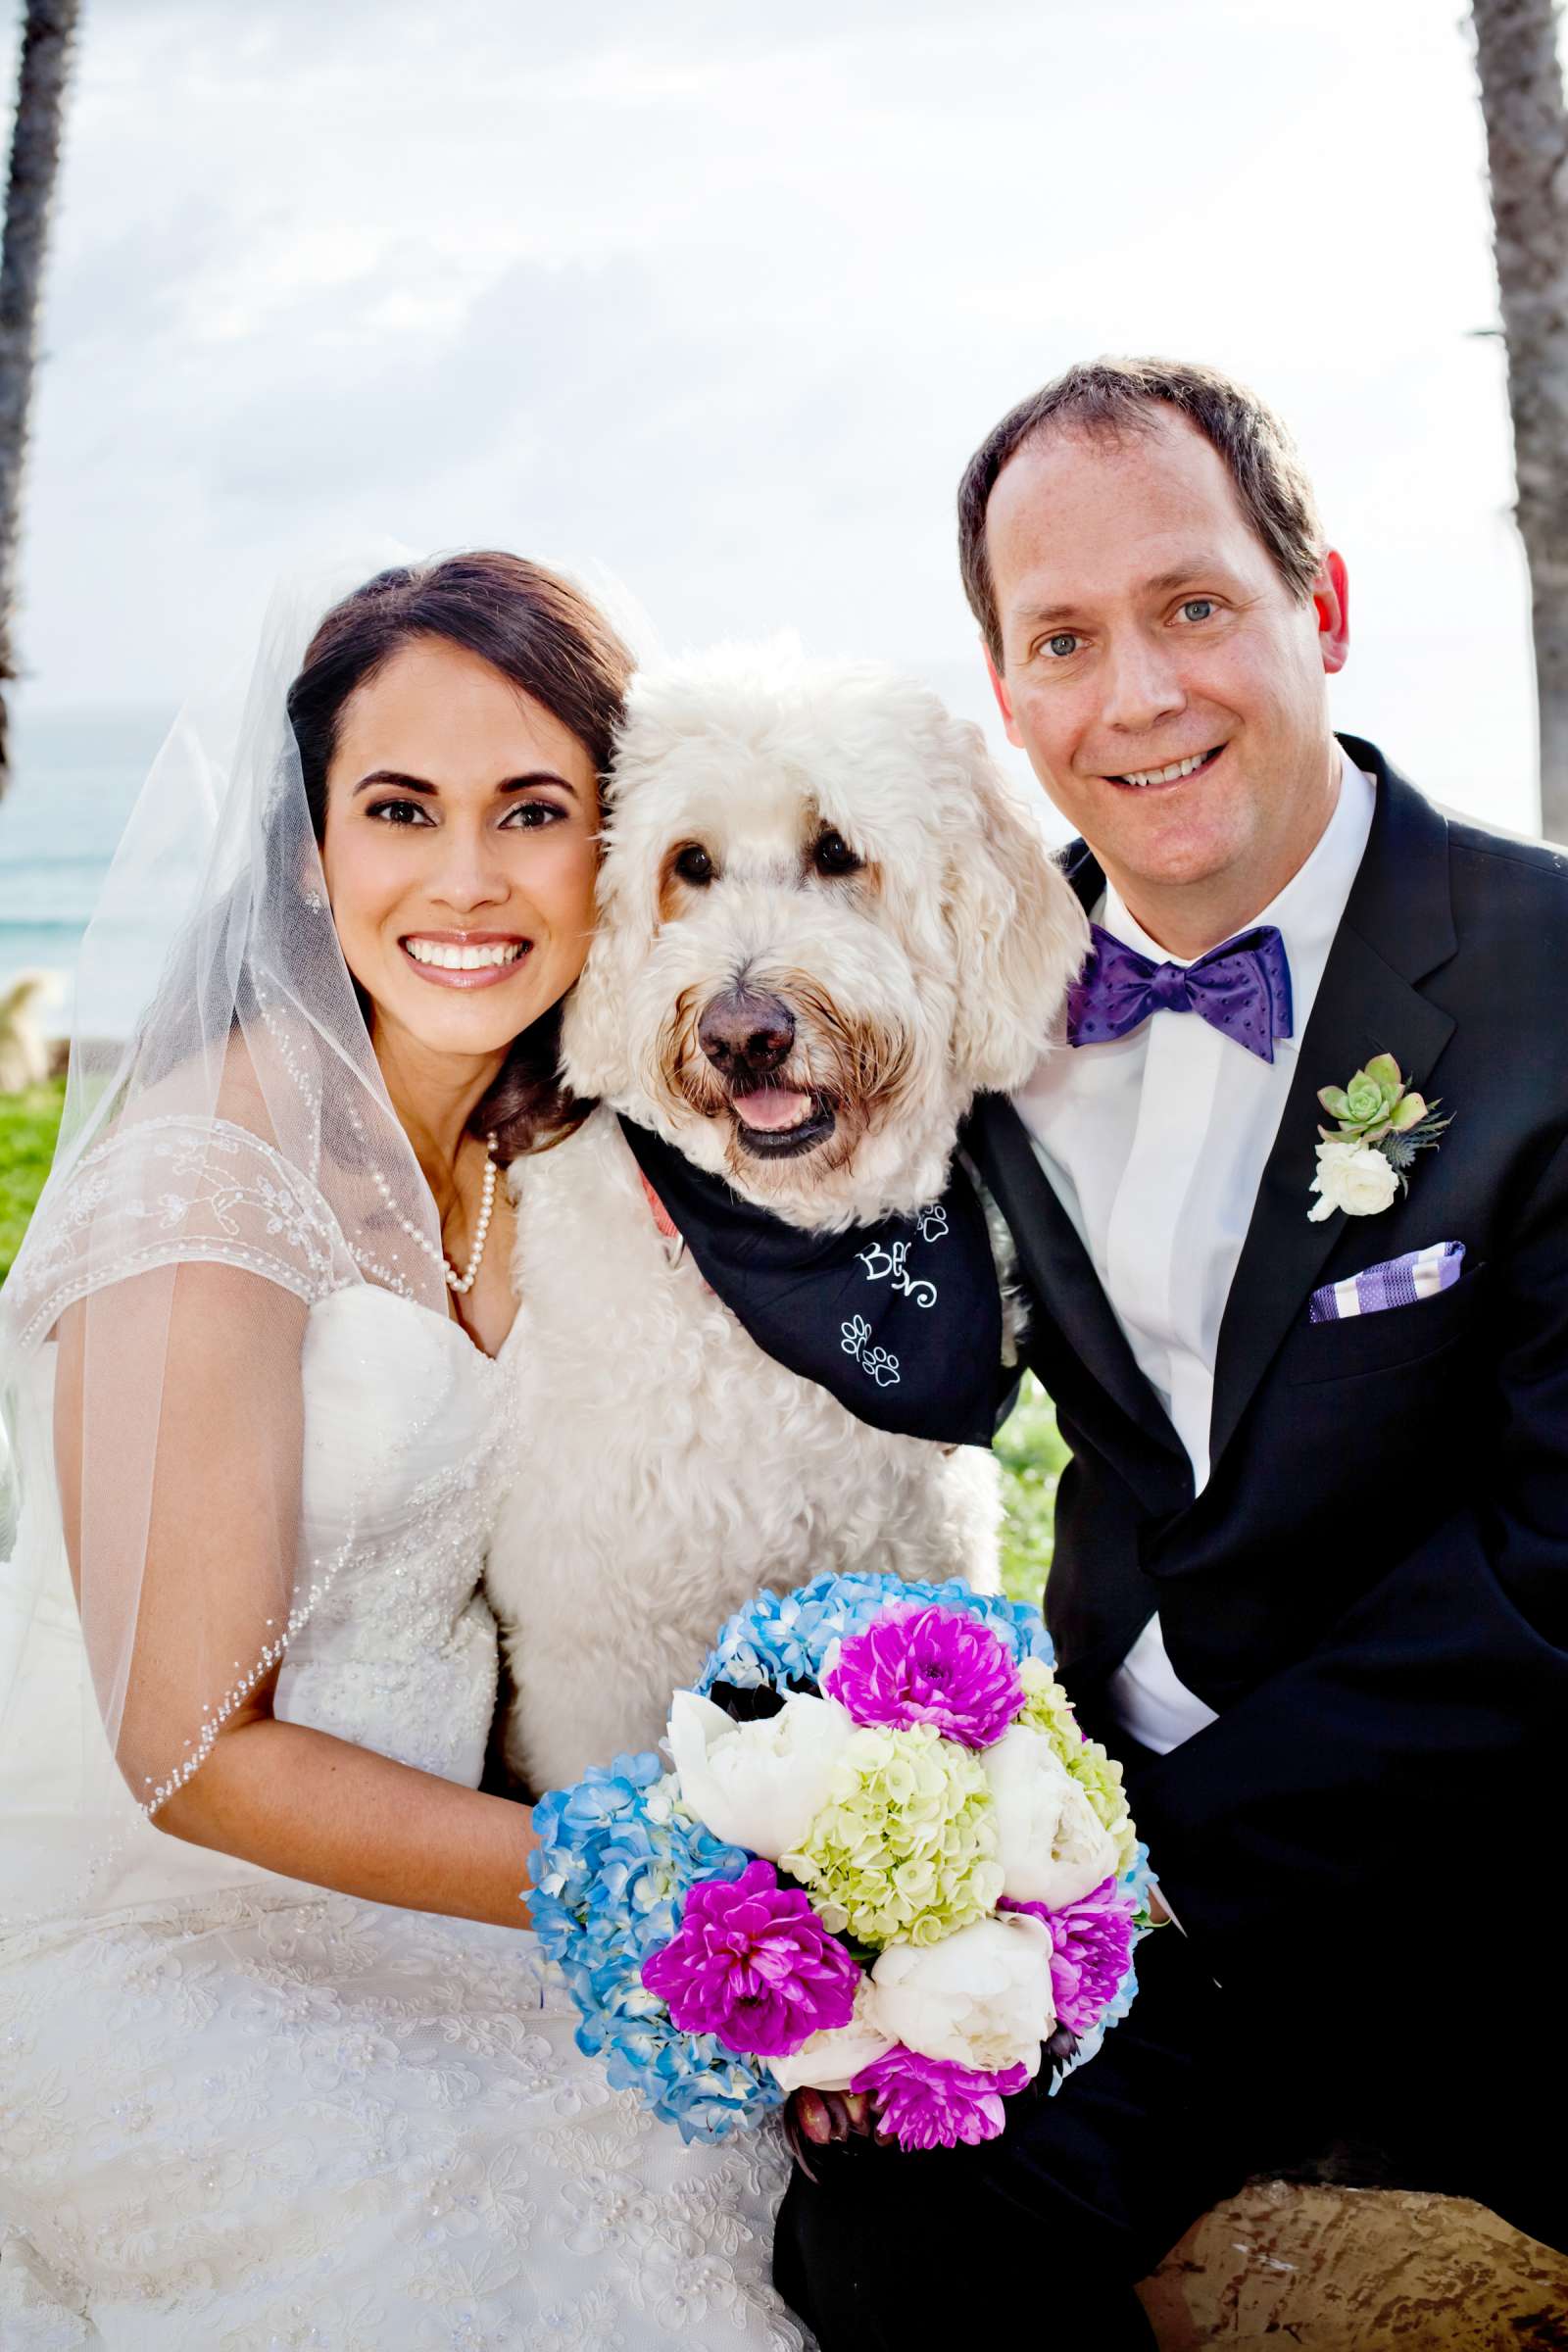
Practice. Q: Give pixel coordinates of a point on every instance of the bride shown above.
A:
(279, 2063)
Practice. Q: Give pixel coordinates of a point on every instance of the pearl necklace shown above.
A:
(460, 1285)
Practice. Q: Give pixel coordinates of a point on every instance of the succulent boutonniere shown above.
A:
(1380, 1125)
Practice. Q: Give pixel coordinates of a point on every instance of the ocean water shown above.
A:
(74, 777)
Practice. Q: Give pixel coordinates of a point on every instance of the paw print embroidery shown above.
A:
(879, 1363)
(933, 1222)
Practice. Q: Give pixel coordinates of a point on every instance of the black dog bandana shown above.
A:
(900, 1320)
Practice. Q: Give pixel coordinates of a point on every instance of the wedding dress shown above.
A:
(252, 2115)
(237, 2113)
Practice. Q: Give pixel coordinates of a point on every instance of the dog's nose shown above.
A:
(745, 1035)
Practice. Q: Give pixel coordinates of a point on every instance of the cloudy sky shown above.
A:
(720, 296)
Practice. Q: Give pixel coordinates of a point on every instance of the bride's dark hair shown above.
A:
(544, 635)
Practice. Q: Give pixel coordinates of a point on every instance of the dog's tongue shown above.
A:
(771, 1108)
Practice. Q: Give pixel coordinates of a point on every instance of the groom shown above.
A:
(1312, 1555)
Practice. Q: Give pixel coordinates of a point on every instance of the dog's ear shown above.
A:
(594, 1030)
(1018, 934)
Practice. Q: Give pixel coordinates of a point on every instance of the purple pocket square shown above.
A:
(1400, 1282)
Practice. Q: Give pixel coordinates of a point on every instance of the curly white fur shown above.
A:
(671, 1467)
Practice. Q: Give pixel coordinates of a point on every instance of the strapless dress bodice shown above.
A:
(409, 1446)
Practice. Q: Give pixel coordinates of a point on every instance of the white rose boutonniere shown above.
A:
(1364, 1159)
(1354, 1177)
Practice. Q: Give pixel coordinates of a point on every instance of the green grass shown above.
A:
(1032, 1455)
(1028, 1446)
(29, 1125)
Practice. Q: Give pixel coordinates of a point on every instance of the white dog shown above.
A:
(829, 846)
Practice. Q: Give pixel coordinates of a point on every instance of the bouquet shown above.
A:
(885, 1863)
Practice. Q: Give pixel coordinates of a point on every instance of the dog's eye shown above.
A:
(832, 855)
(693, 864)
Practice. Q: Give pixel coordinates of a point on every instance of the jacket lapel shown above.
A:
(1398, 927)
(1055, 1262)
(1057, 1267)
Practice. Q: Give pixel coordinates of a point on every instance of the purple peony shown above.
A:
(752, 1963)
(1092, 1948)
(932, 1665)
(934, 2103)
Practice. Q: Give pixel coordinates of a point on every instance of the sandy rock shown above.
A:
(1357, 2270)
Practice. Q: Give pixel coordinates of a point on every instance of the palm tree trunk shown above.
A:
(1527, 152)
(46, 43)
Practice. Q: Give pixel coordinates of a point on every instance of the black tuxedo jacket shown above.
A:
(1371, 1589)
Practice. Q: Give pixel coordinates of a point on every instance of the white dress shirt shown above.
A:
(1156, 1145)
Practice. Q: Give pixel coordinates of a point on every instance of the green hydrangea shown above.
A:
(905, 1851)
(1047, 1708)
(1098, 1776)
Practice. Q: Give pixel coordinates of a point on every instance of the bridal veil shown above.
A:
(232, 1160)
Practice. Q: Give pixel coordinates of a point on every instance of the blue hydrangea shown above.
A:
(616, 1856)
(784, 1637)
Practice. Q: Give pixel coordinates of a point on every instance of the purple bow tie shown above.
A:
(1241, 988)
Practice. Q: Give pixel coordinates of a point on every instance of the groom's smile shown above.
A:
(1174, 771)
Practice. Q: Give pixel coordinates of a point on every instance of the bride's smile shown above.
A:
(464, 958)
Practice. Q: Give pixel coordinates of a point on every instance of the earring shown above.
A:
(313, 900)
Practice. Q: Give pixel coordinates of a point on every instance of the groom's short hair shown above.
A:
(1108, 398)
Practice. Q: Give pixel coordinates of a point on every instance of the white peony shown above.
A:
(1353, 1176)
(758, 1784)
(1053, 1845)
(832, 2058)
(981, 1996)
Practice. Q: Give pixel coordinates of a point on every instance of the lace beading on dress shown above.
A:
(229, 1198)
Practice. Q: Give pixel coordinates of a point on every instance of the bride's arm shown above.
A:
(314, 1807)
(179, 1473)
